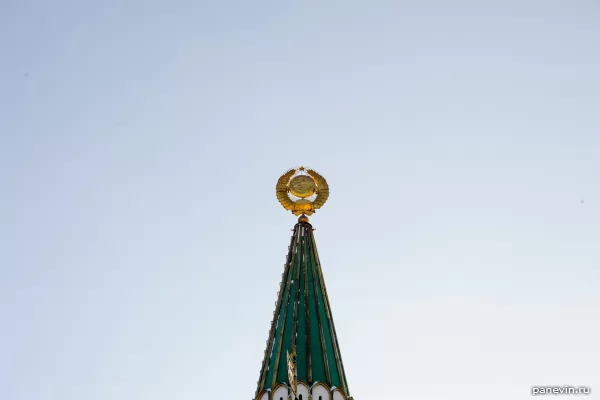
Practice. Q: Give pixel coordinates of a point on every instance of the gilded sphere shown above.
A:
(302, 186)
(303, 218)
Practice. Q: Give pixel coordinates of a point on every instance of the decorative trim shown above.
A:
(338, 357)
(262, 393)
(282, 384)
(301, 247)
(304, 386)
(283, 317)
(307, 315)
(296, 281)
(322, 385)
(319, 383)
(340, 390)
(268, 351)
(320, 323)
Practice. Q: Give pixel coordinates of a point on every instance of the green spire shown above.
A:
(303, 320)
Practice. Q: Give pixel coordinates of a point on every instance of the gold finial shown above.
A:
(303, 218)
(302, 187)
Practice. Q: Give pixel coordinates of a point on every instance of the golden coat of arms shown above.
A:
(302, 191)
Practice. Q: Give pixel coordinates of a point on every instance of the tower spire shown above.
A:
(302, 359)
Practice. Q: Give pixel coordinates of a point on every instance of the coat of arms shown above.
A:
(308, 189)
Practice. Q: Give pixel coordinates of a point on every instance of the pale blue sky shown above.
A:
(141, 243)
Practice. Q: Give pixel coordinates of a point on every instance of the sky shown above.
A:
(142, 245)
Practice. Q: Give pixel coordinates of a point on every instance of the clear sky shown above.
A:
(141, 243)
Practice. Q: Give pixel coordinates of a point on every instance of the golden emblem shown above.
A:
(303, 184)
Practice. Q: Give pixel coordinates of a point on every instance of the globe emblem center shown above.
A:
(302, 186)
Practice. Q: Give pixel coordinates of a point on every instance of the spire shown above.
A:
(303, 330)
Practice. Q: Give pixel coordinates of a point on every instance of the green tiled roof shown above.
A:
(303, 318)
